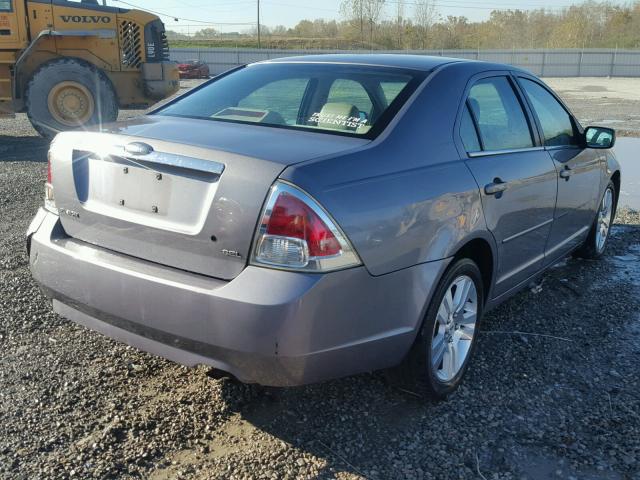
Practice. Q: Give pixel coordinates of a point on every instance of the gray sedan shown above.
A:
(306, 218)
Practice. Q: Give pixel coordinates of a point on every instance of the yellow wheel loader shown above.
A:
(70, 64)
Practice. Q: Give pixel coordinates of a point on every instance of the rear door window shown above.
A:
(468, 132)
(501, 121)
(391, 90)
(557, 126)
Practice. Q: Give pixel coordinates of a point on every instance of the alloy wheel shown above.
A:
(454, 328)
(604, 219)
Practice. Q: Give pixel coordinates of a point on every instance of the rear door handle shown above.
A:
(496, 187)
(566, 172)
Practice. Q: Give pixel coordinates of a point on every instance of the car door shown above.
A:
(516, 176)
(579, 168)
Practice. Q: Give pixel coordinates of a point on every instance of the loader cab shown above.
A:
(12, 25)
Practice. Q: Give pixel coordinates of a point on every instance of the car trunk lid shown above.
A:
(191, 201)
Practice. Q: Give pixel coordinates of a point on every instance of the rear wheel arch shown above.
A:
(481, 252)
(615, 178)
(419, 369)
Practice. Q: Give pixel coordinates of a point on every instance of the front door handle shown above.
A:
(566, 172)
(496, 187)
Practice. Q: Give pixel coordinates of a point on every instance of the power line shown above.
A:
(230, 7)
(443, 4)
(466, 4)
(301, 7)
(475, 5)
(162, 14)
(258, 23)
(471, 2)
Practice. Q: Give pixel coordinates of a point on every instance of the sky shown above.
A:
(241, 15)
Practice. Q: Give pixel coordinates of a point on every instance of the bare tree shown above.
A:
(372, 12)
(353, 10)
(400, 20)
(425, 15)
(361, 12)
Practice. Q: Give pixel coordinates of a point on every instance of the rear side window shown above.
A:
(5, 6)
(468, 132)
(501, 121)
(391, 90)
(355, 100)
(557, 126)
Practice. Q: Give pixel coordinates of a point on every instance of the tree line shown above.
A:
(419, 25)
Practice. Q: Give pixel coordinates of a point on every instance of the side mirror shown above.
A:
(599, 137)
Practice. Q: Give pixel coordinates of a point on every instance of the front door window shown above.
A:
(557, 126)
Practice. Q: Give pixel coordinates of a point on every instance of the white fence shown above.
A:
(545, 63)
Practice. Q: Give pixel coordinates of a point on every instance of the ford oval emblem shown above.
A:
(138, 148)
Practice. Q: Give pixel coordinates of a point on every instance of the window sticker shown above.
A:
(337, 119)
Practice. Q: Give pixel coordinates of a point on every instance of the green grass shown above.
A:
(276, 44)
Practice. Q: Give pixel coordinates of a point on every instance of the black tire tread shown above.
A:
(412, 374)
(41, 80)
(589, 249)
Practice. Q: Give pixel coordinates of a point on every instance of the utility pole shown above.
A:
(258, 1)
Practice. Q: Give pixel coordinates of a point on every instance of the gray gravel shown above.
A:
(74, 404)
(612, 102)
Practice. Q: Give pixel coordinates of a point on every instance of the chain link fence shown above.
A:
(545, 63)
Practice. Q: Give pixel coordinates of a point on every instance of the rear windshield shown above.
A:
(335, 98)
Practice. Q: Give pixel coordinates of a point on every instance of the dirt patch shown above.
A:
(613, 102)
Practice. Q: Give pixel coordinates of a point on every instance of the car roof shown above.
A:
(416, 62)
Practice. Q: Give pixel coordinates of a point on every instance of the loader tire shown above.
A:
(68, 94)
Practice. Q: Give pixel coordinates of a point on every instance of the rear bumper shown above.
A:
(265, 326)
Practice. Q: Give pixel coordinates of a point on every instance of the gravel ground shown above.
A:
(76, 404)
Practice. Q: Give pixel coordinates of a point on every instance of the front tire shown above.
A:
(67, 94)
(441, 353)
(596, 242)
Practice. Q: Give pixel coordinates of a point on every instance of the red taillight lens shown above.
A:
(296, 233)
(291, 217)
(49, 198)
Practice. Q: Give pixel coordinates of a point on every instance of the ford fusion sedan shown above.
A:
(307, 218)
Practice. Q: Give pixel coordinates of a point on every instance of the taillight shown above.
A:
(49, 178)
(296, 233)
(49, 199)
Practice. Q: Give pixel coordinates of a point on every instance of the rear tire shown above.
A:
(445, 344)
(596, 242)
(67, 94)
